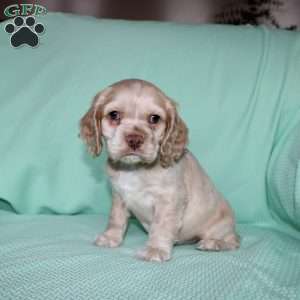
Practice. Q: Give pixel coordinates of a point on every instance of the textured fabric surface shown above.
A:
(232, 85)
(52, 257)
(284, 177)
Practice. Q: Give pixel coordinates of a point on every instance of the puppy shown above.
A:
(153, 175)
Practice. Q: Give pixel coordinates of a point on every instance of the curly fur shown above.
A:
(175, 140)
(90, 123)
(160, 182)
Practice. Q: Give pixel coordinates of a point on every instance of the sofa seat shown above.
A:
(53, 257)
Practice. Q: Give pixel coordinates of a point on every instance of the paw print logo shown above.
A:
(24, 30)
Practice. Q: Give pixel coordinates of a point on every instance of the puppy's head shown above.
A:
(138, 122)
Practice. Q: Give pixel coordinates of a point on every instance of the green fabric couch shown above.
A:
(239, 92)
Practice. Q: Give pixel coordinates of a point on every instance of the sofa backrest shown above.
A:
(235, 87)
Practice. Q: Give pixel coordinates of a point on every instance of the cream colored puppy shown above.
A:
(153, 175)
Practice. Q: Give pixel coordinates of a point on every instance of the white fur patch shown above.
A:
(137, 198)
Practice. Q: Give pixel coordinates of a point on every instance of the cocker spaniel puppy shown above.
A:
(153, 175)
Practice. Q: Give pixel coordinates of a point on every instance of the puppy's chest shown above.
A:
(136, 192)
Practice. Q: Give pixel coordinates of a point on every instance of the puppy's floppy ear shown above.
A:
(175, 138)
(90, 123)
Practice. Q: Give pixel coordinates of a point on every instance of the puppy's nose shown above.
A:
(134, 141)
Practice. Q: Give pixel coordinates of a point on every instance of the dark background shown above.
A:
(274, 13)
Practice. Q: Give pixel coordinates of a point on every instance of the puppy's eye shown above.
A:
(154, 119)
(114, 115)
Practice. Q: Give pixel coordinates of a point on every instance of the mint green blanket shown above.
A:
(239, 92)
(51, 257)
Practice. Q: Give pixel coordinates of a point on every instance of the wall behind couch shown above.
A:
(274, 13)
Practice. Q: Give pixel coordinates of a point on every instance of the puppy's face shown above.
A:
(138, 123)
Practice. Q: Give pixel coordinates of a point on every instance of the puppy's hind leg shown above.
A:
(219, 232)
(230, 241)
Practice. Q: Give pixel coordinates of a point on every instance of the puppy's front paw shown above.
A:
(154, 254)
(105, 240)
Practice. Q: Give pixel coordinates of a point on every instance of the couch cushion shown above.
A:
(227, 80)
(52, 257)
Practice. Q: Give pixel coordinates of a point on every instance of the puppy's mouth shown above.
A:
(132, 155)
(126, 155)
(131, 158)
(135, 157)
